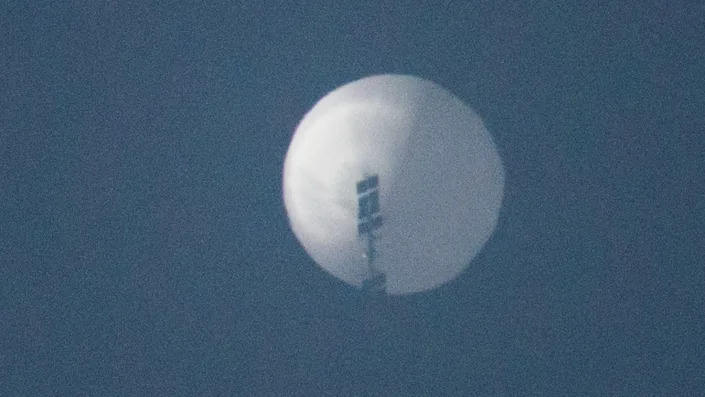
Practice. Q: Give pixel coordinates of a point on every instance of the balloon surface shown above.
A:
(440, 182)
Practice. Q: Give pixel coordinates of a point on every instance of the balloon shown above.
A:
(392, 175)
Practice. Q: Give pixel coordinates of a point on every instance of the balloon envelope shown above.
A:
(440, 186)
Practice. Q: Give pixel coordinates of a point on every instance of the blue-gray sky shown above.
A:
(145, 250)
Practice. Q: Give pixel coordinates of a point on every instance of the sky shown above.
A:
(145, 248)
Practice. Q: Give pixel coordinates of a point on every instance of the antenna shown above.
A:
(369, 220)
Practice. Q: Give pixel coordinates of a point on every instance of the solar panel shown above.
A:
(368, 215)
(368, 225)
(368, 220)
(367, 184)
(368, 205)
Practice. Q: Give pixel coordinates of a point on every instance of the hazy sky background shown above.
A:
(145, 250)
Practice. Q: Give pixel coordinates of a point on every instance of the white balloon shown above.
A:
(441, 181)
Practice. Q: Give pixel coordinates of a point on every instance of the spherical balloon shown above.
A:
(430, 163)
